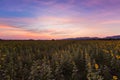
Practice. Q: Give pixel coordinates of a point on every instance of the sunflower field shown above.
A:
(60, 60)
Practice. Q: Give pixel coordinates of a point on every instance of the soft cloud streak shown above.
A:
(17, 33)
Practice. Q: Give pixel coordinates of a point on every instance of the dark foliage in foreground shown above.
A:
(60, 60)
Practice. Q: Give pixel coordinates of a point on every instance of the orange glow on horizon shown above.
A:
(18, 33)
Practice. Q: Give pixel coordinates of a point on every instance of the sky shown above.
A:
(57, 19)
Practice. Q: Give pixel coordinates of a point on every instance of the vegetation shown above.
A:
(60, 60)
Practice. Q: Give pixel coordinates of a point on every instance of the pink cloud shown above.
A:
(49, 20)
(17, 33)
(53, 20)
(111, 22)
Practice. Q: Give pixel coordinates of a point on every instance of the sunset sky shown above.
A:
(48, 19)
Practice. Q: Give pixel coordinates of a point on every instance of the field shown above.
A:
(60, 60)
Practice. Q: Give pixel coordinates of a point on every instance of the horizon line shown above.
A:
(64, 38)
